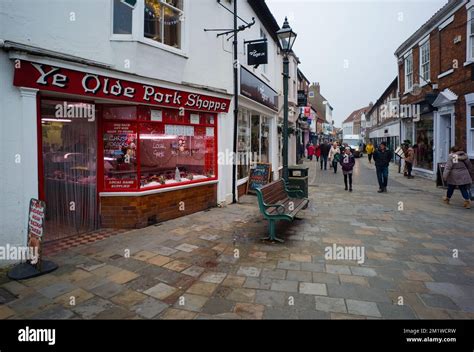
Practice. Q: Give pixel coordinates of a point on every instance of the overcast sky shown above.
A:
(348, 46)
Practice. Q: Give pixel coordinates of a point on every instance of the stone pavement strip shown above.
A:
(416, 261)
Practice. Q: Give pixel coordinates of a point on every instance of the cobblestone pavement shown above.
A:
(418, 262)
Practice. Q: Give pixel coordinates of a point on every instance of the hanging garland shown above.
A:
(174, 20)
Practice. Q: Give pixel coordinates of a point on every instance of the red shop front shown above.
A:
(120, 154)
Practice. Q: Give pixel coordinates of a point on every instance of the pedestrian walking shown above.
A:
(325, 148)
(317, 152)
(458, 172)
(334, 156)
(310, 150)
(382, 159)
(370, 151)
(347, 165)
(409, 159)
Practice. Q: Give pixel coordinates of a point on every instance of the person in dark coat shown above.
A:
(347, 162)
(325, 148)
(382, 158)
(458, 172)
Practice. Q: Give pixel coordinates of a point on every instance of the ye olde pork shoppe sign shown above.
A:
(56, 79)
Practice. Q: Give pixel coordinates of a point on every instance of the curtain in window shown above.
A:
(69, 142)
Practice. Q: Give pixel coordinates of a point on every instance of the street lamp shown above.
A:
(287, 38)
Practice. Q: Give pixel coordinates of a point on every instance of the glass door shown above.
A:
(69, 147)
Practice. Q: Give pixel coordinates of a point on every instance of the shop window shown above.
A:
(264, 140)
(120, 112)
(172, 154)
(172, 148)
(122, 22)
(255, 138)
(243, 162)
(120, 155)
(424, 143)
(162, 21)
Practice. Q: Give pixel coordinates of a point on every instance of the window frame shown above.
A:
(138, 29)
(469, 35)
(424, 80)
(406, 59)
(139, 122)
(116, 36)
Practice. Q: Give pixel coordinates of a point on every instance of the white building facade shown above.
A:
(115, 115)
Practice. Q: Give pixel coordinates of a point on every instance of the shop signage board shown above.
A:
(260, 175)
(254, 88)
(57, 79)
(36, 218)
(34, 264)
(257, 54)
(120, 144)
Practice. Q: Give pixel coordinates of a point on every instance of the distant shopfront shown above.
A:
(257, 126)
(117, 153)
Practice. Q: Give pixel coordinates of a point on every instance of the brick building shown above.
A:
(436, 74)
(383, 122)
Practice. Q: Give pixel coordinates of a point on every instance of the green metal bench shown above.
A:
(277, 202)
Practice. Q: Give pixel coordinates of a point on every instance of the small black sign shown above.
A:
(257, 54)
(302, 98)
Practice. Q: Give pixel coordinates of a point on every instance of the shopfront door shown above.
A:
(444, 142)
(69, 168)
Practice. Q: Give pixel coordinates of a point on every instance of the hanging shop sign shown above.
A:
(57, 79)
(257, 54)
(302, 98)
(254, 88)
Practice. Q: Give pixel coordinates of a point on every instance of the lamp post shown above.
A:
(287, 39)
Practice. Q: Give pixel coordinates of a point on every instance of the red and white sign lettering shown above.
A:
(56, 79)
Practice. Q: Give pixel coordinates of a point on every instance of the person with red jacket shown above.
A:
(310, 151)
(317, 151)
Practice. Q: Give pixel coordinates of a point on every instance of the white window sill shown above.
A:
(447, 73)
(155, 191)
(127, 38)
(408, 91)
(121, 38)
(168, 48)
(467, 63)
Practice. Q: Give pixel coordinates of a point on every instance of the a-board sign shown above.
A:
(36, 218)
(259, 176)
(399, 152)
(439, 177)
